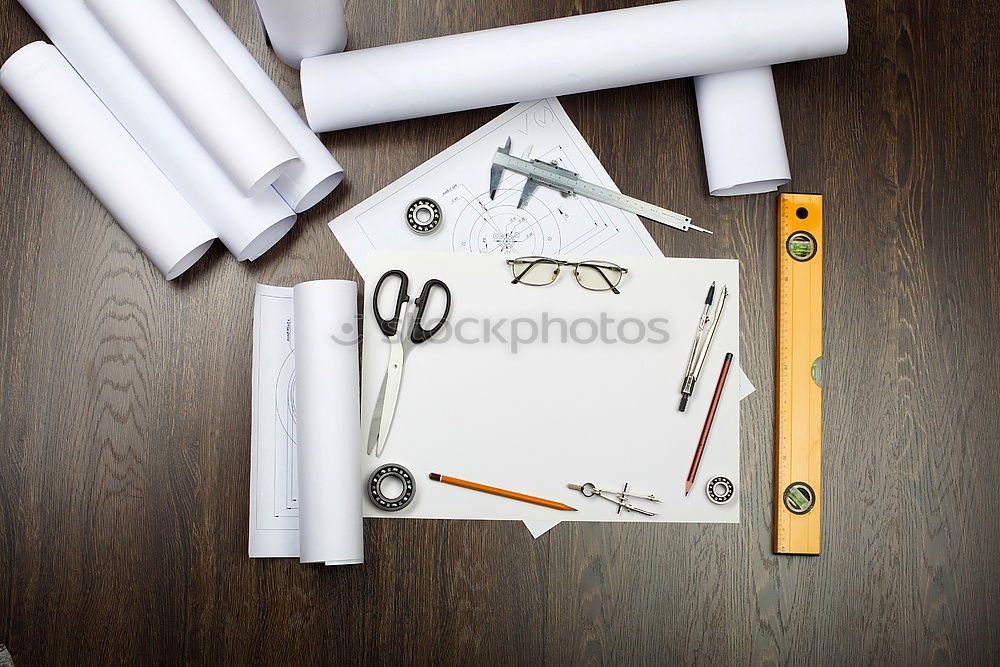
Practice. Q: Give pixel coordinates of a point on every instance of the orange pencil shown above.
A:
(513, 495)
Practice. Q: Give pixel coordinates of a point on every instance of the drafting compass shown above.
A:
(569, 183)
(617, 497)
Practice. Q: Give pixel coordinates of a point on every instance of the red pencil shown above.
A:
(708, 423)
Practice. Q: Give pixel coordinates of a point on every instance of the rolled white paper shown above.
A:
(161, 40)
(328, 406)
(248, 226)
(568, 55)
(300, 29)
(106, 158)
(316, 174)
(741, 132)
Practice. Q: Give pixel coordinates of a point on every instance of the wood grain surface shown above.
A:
(125, 399)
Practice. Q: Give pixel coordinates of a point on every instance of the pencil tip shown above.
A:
(435, 476)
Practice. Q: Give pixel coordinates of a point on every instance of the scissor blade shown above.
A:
(376, 416)
(393, 380)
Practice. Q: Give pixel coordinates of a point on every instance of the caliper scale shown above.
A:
(569, 183)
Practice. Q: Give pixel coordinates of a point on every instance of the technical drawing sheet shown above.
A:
(305, 447)
(458, 179)
(274, 500)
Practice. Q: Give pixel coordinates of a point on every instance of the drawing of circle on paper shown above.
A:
(284, 397)
(498, 226)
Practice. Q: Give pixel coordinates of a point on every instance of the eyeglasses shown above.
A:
(592, 274)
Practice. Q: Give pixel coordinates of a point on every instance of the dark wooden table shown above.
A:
(125, 399)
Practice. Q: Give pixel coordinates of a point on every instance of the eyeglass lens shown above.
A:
(598, 275)
(534, 271)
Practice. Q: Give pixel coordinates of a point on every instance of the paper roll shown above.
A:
(568, 55)
(106, 158)
(300, 29)
(316, 174)
(327, 402)
(181, 64)
(248, 226)
(741, 132)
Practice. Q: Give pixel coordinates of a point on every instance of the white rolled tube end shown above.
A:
(267, 239)
(188, 260)
(270, 176)
(751, 188)
(299, 29)
(316, 193)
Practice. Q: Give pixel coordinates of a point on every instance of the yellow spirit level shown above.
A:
(798, 429)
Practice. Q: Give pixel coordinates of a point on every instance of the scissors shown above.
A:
(400, 347)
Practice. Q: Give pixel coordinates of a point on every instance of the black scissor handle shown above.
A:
(391, 326)
(418, 334)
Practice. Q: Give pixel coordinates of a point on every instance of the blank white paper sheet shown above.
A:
(599, 405)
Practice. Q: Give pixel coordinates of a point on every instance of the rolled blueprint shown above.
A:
(248, 226)
(300, 29)
(568, 55)
(741, 132)
(175, 57)
(105, 157)
(315, 175)
(328, 406)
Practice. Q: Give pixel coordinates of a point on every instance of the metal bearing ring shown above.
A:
(382, 501)
(423, 216)
(720, 490)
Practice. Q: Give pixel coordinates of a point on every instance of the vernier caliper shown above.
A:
(569, 183)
